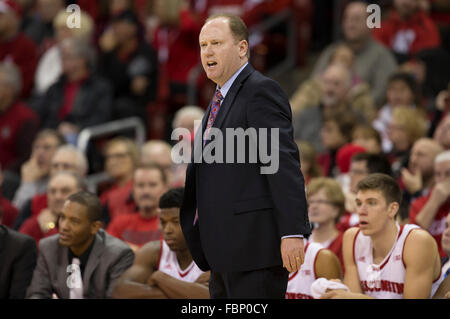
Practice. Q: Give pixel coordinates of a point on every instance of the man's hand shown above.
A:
(441, 192)
(46, 220)
(31, 172)
(204, 278)
(292, 253)
(413, 181)
(156, 277)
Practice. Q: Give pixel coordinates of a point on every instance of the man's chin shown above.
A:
(64, 243)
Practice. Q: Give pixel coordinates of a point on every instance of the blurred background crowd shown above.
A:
(93, 107)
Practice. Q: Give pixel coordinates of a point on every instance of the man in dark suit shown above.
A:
(82, 261)
(18, 254)
(244, 225)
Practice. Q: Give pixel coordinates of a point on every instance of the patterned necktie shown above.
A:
(76, 282)
(215, 106)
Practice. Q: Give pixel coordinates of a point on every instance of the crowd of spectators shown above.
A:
(376, 101)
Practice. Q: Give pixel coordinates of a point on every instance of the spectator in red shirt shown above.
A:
(158, 152)
(18, 123)
(67, 158)
(136, 229)
(60, 187)
(175, 40)
(417, 179)
(35, 171)
(121, 159)
(15, 46)
(430, 211)
(326, 204)
(408, 29)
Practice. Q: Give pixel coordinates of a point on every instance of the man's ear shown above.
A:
(243, 48)
(95, 226)
(393, 209)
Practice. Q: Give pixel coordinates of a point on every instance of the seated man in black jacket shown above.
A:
(79, 98)
(18, 254)
(130, 64)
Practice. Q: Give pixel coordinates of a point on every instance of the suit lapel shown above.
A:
(227, 103)
(62, 262)
(93, 261)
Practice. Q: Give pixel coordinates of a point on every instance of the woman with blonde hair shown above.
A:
(326, 204)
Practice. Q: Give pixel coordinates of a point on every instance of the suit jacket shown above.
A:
(18, 254)
(242, 214)
(109, 258)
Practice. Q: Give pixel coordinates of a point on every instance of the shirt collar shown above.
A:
(226, 87)
(84, 256)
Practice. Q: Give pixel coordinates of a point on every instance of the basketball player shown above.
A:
(319, 262)
(165, 269)
(382, 259)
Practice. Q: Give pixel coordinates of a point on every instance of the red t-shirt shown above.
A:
(438, 224)
(134, 229)
(23, 52)
(408, 37)
(119, 200)
(38, 203)
(13, 125)
(9, 212)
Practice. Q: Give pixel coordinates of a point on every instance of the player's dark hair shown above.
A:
(384, 183)
(172, 199)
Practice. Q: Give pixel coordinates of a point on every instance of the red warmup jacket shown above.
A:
(408, 37)
(23, 52)
(18, 126)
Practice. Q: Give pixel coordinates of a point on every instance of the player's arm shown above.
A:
(133, 284)
(443, 290)
(327, 265)
(351, 277)
(420, 257)
(178, 289)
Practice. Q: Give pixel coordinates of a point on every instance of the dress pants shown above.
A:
(267, 283)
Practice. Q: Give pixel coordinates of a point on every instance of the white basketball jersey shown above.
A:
(168, 263)
(387, 279)
(299, 284)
